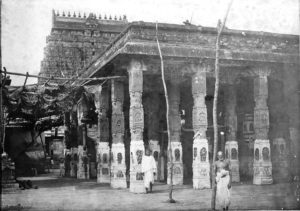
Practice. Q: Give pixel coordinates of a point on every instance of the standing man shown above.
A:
(223, 180)
(149, 169)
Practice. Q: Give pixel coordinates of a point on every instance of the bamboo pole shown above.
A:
(59, 78)
(171, 200)
(220, 28)
(1, 103)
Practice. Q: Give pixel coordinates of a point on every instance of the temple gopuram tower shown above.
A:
(75, 39)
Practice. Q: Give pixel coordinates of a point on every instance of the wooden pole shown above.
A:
(1, 103)
(171, 200)
(220, 28)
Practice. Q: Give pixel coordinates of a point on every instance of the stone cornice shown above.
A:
(150, 49)
(138, 39)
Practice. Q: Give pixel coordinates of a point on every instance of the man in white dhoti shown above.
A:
(149, 169)
(223, 180)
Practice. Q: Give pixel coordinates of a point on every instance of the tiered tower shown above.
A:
(75, 39)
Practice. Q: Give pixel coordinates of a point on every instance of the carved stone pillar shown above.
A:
(152, 107)
(201, 166)
(136, 120)
(74, 162)
(231, 146)
(83, 171)
(262, 166)
(291, 94)
(103, 150)
(93, 134)
(118, 167)
(175, 128)
(67, 142)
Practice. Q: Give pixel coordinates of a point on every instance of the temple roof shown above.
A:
(195, 42)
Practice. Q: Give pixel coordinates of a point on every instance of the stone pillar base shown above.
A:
(136, 178)
(118, 166)
(231, 153)
(201, 175)
(201, 166)
(177, 164)
(262, 166)
(103, 158)
(118, 177)
(177, 174)
(262, 174)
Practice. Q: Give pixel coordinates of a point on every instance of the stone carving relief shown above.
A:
(119, 157)
(203, 172)
(105, 171)
(203, 154)
(105, 160)
(177, 170)
(139, 155)
(177, 155)
(118, 123)
(234, 154)
(139, 176)
(266, 154)
(120, 174)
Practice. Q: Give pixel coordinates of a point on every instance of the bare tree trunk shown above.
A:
(171, 200)
(1, 108)
(220, 28)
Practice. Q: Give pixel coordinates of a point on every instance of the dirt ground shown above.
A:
(56, 193)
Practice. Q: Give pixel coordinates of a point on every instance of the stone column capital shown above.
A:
(201, 67)
(261, 71)
(136, 65)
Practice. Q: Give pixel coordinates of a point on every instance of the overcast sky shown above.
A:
(26, 23)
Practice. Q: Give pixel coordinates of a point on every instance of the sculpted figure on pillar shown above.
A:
(262, 166)
(136, 122)
(201, 167)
